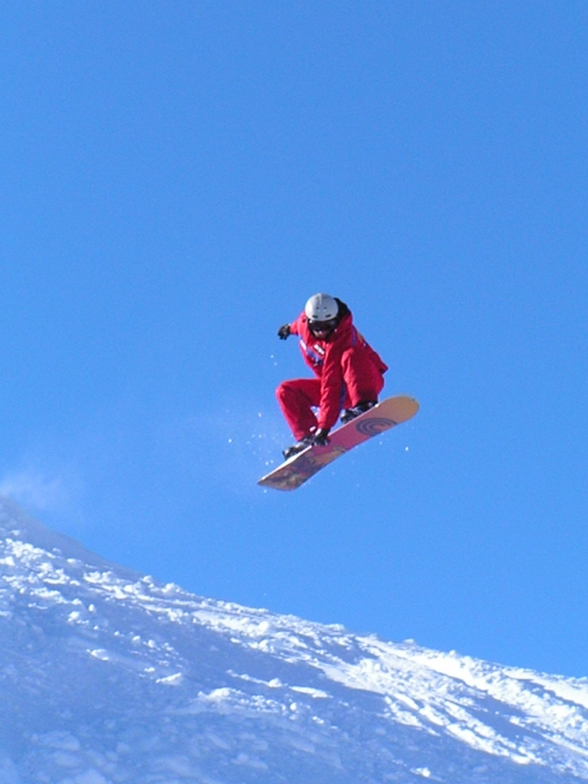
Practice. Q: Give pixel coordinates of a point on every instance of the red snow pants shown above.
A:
(362, 381)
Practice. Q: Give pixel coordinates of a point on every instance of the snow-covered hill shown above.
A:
(108, 676)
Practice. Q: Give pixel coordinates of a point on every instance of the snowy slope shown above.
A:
(108, 676)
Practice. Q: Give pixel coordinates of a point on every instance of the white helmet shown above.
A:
(321, 307)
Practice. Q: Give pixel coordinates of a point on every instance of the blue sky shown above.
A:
(178, 177)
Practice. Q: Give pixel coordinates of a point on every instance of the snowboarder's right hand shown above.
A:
(284, 332)
(321, 437)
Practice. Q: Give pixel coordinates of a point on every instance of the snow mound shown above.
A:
(108, 676)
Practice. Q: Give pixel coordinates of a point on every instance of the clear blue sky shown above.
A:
(178, 177)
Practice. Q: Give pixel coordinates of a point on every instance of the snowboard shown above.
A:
(300, 467)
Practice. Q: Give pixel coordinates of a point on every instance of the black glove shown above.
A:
(284, 332)
(321, 437)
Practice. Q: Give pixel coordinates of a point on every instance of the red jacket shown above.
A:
(324, 357)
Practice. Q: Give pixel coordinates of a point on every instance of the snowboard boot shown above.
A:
(350, 413)
(299, 446)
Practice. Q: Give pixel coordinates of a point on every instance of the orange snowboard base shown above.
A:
(297, 469)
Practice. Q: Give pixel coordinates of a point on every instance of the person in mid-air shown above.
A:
(349, 373)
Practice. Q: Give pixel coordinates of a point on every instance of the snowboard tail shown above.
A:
(302, 466)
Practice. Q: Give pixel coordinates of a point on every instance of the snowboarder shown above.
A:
(349, 373)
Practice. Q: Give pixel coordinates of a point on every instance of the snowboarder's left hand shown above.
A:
(321, 437)
(284, 332)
